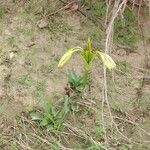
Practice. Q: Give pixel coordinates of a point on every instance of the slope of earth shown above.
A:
(33, 37)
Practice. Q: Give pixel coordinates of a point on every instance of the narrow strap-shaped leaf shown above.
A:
(106, 59)
(89, 44)
(65, 58)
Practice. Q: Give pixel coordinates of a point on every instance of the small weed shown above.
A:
(28, 108)
(47, 47)
(2, 11)
(122, 147)
(95, 33)
(53, 25)
(29, 57)
(94, 147)
(99, 131)
(26, 32)
(56, 57)
(76, 82)
(116, 106)
(1, 27)
(13, 146)
(125, 31)
(26, 80)
(143, 102)
(123, 66)
(66, 27)
(47, 69)
(11, 41)
(52, 118)
(41, 85)
(99, 9)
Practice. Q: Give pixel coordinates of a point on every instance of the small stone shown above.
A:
(121, 52)
(42, 24)
(11, 55)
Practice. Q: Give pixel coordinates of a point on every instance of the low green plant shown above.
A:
(40, 88)
(94, 147)
(11, 41)
(76, 82)
(123, 66)
(99, 131)
(53, 25)
(26, 80)
(126, 26)
(66, 27)
(2, 11)
(95, 33)
(116, 106)
(51, 117)
(87, 54)
(122, 147)
(99, 9)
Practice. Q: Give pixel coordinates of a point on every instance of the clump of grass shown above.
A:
(26, 80)
(2, 11)
(116, 106)
(95, 33)
(53, 25)
(11, 41)
(99, 8)
(123, 66)
(59, 25)
(66, 27)
(41, 85)
(125, 30)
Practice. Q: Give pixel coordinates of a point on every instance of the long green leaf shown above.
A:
(65, 58)
(106, 59)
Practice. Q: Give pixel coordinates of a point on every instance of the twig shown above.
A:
(60, 9)
(133, 123)
(109, 31)
(86, 135)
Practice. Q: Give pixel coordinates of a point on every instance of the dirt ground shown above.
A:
(32, 40)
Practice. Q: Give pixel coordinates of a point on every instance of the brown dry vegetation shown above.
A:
(33, 36)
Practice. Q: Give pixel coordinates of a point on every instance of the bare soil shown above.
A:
(31, 45)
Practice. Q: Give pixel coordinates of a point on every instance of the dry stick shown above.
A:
(146, 59)
(103, 120)
(133, 123)
(85, 135)
(109, 33)
(63, 8)
(140, 5)
(49, 143)
(92, 19)
(108, 3)
(23, 144)
(105, 98)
